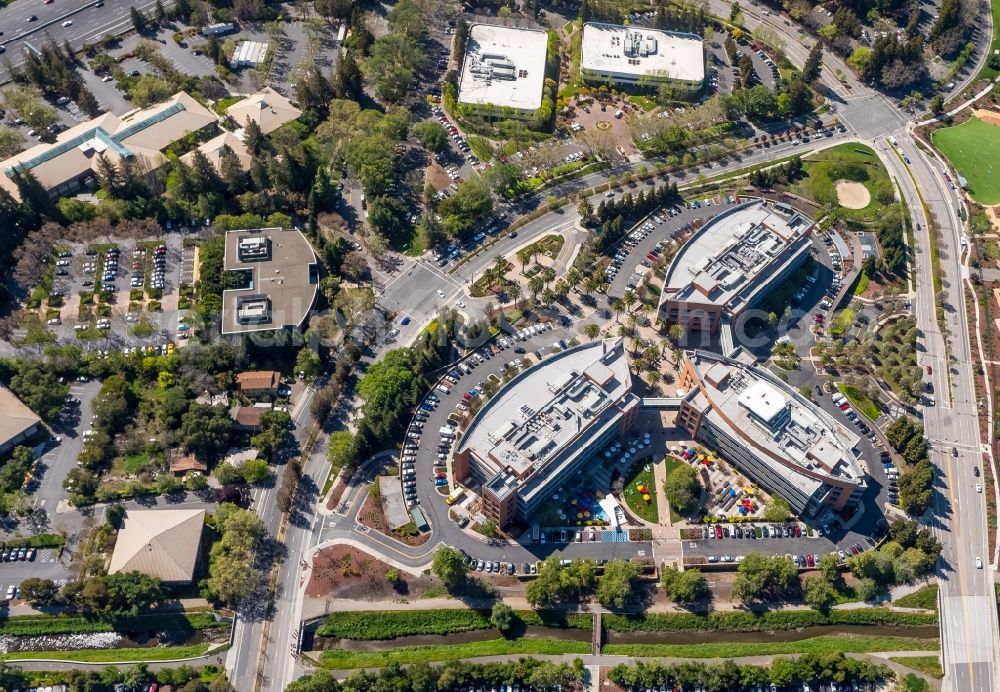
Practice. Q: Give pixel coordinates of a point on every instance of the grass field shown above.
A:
(860, 401)
(133, 655)
(647, 511)
(853, 162)
(988, 72)
(408, 655)
(972, 148)
(925, 597)
(816, 645)
(930, 665)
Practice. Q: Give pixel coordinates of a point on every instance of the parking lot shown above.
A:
(120, 294)
(43, 564)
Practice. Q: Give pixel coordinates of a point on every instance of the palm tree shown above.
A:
(618, 306)
(591, 330)
(535, 284)
(654, 378)
(515, 292)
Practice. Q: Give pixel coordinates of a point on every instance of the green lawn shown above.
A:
(408, 655)
(647, 511)
(988, 72)
(930, 665)
(925, 597)
(862, 284)
(854, 162)
(972, 148)
(133, 655)
(860, 401)
(670, 463)
(815, 645)
(841, 321)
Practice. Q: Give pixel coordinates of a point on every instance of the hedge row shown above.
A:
(742, 621)
(381, 625)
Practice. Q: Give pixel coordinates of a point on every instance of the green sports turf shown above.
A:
(974, 149)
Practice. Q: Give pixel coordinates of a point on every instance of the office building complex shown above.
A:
(638, 56)
(281, 276)
(733, 263)
(544, 426)
(503, 71)
(782, 441)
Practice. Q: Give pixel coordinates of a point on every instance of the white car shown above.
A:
(68, 22)
(979, 563)
(979, 488)
(440, 293)
(460, 304)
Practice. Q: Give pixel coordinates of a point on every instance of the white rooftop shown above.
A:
(762, 400)
(640, 51)
(503, 66)
(733, 255)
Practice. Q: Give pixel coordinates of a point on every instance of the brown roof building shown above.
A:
(181, 463)
(17, 421)
(162, 543)
(258, 381)
(248, 417)
(269, 109)
(141, 135)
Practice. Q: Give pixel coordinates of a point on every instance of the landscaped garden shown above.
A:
(640, 493)
(854, 163)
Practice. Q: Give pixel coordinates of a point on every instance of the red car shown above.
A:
(810, 562)
(440, 475)
(797, 530)
(929, 370)
(467, 396)
(650, 256)
(718, 532)
(845, 406)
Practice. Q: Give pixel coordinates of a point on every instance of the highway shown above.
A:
(967, 600)
(89, 23)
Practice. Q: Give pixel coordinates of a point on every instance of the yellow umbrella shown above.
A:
(647, 498)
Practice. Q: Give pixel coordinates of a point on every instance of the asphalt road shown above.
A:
(968, 611)
(88, 23)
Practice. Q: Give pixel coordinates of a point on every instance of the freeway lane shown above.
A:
(968, 611)
(89, 23)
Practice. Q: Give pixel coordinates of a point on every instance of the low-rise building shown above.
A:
(258, 382)
(543, 427)
(639, 56)
(269, 109)
(140, 136)
(17, 421)
(503, 71)
(181, 463)
(282, 277)
(776, 437)
(249, 54)
(248, 418)
(161, 543)
(733, 263)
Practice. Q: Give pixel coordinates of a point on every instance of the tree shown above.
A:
(138, 20)
(205, 430)
(814, 63)
(866, 590)
(432, 135)
(937, 104)
(617, 586)
(778, 510)
(449, 566)
(684, 588)
(502, 616)
(39, 591)
(592, 330)
(761, 577)
(829, 567)
(819, 593)
(682, 489)
(11, 142)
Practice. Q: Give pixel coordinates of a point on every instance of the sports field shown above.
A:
(974, 149)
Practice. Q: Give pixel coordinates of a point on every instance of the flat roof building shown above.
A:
(616, 54)
(282, 275)
(141, 135)
(543, 427)
(779, 439)
(503, 70)
(732, 263)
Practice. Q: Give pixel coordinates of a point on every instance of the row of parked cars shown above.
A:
(17, 554)
(845, 406)
(751, 532)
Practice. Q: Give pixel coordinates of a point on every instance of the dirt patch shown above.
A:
(342, 571)
(852, 195)
(991, 117)
(436, 176)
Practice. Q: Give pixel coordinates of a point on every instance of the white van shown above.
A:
(443, 389)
